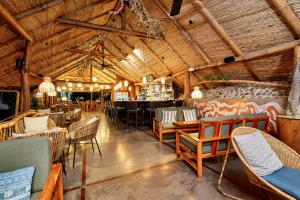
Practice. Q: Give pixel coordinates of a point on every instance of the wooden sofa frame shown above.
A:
(195, 159)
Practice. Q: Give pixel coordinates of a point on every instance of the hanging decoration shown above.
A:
(52, 93)
(196, 94)
(46, 85)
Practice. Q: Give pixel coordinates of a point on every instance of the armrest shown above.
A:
(158, 123)
(211, 139)
(187, 135)
(53, 184)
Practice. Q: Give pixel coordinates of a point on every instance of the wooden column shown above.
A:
(187, 83)
(25, 81)
(296, 54)
(288, 14)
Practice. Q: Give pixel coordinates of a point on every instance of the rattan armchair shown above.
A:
(58, 118)
(287, 156)
(84, 131)
(20, 126)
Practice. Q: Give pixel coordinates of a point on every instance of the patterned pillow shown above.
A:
(16, 184)
(190, 115)
(169, 116)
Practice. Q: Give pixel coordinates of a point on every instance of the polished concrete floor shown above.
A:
(135, 166)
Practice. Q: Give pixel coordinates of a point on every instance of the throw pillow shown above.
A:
(33, 124)
(258, 153)
(169, 116)
(91, 120)
(190, 115)
(16, 184)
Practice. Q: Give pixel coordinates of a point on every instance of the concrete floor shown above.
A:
(136, 166)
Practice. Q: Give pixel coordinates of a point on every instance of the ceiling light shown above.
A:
(81, 88)
(125, 83)
(163, 81)
(144, 80)
(96, 85)
(70, 84)
(64, 87)
(79, 85)
(101, 86)
(64, 98)
(58, 89)
(196, 94)
(91, 88)
(129, 88)
(70, 89)
(107, 87)
(46, 85)
(94, 79)
(52, 94)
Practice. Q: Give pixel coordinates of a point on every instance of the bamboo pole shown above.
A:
(187, 85)
(25, 80)
(5, 13)
(107, 29)
(217, 27)
(183, 32)
(288, 14)
(296, 54)
(255, 54)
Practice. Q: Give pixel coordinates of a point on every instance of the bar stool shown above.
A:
(118, 110)
(132, 108)
(150, 111)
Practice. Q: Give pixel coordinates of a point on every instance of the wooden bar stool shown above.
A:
(132, 108)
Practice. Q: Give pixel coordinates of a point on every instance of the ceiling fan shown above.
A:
(103, 65)
(176, 5)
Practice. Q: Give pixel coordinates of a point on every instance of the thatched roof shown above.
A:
(252, 25)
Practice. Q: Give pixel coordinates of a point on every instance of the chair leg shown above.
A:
(63, 164)
(92, 144)
(69, 148)
(98, 147)
(74, 154)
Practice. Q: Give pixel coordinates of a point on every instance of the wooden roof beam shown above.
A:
(288, 14)
(255, 54)
(95, 27)
(183, 32)
(217, 27)
(13, 21)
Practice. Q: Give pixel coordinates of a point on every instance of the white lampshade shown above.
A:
(196, 94)
(120, 84)
(101, 87)
(125, 83)
(70, 89)
(79, 85)
(144, 80)
(129, 88)
(63, 87)
(81, 88)
(64, 98)
(107, 87)
(58, 89)
(52, 94)
(70, 84)
(46, 85)
(163, 81)
(94, 79)
(91, 88)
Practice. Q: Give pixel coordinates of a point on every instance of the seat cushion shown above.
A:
(16, 184)
(286, 179)
(35, 195)
(251, 115)
(192, 145)
(16, 154)
(168, 126)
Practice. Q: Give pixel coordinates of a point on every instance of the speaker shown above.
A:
(176, 7)
(19, 63)
(229, 59)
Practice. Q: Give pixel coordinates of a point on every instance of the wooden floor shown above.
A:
(136, 166)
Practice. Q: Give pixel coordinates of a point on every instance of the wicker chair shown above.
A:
(20, 126)
(72, 116)
(287, 156)
(58, 118)
(83, 131)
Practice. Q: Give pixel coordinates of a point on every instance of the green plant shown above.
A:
(214, 77)
(35, 104)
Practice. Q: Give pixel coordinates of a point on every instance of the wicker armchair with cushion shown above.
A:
(283, 182)
(20, 126)
(47, 181)
(58, 118)
(84, 131)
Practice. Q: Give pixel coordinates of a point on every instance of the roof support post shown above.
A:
(25, 81)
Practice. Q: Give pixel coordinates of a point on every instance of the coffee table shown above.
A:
(187, 124)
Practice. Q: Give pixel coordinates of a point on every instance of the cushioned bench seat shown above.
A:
(287, 179)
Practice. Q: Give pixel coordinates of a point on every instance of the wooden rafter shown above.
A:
(101, 28)
(183, 32)
(13, 21)
(288, 14)
(255, 54)
(95, 53)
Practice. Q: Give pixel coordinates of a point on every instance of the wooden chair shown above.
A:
(47, 181)
(288, 157)
(84, 131)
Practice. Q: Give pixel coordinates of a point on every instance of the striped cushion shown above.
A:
(190, 115)
(169, 116)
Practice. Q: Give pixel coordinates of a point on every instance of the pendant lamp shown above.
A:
(144, 80)
(52, 94)
(125, 83)
(47, 85)
(196, 94)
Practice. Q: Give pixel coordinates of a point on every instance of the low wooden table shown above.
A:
(187, 124)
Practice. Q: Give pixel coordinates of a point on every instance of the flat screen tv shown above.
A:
(9, 103)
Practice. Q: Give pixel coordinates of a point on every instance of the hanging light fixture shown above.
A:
(120, 84)
(129, 88)
(163, 81)
(91, 88)
(125, 83)
(79, 85)
(144, 80)
(52, 93)
(107, 87)
(81, 88)
(63, 87)
(196, 94)
(94, 79)
(64, 98)
(70, 84)
(47, 85)
(70, 89)
(58, 89)
(101, 87)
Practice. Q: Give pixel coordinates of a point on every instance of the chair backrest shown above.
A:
(20, 126)
(131, 105)
(84, 130)
(16, 154)
(58, 118)
(180, 114)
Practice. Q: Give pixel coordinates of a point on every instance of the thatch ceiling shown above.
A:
(251, 24)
